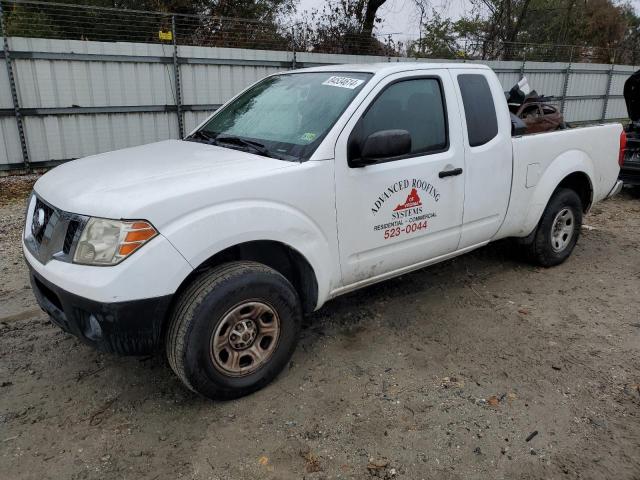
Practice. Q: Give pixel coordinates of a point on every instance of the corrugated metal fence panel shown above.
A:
(586, 110)
(9, 143)
(592, 80)
(616, 109)
(546, 78)
(62, 83)
(508, 72)
(215, 84)
(621, 73)
(10, 151)
(209, 77)
(65, 83)
(330, 58)
(193, 119)
(63, 137)
(5, 90)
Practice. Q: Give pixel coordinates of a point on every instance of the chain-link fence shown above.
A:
(86, 22)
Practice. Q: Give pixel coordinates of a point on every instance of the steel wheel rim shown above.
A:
(245, 339)
(562, 229)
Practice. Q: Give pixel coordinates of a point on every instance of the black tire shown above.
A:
(541, 247)
(204, 305)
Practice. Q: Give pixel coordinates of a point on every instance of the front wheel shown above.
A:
(558, 230)
(233, 330)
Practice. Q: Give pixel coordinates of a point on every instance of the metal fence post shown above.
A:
(606, 94)
(565, 87)
(293, 47)
(524, 61)
(14, 91)
(176, 72)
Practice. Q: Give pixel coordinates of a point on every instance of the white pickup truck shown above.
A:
(307, 185)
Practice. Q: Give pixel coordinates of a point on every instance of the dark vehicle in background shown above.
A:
(630, 169)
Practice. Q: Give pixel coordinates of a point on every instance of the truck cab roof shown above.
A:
(387, 68)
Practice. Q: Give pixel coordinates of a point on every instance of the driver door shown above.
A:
(404, 211)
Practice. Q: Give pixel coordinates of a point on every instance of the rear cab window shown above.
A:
(479, 108)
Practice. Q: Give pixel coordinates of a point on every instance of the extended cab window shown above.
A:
(479, 109)
(416, 106)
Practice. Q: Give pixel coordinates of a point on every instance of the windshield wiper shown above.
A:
(202, 135)
(257, 147)
(229, 140)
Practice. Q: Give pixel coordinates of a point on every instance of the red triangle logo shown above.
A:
(413, 200)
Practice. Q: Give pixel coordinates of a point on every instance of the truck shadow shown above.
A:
(348, 310)
(149, 379)
(351, 313)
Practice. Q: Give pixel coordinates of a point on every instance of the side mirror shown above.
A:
(381, 145)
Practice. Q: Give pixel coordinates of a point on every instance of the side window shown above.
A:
(416, 106)
(479, 108)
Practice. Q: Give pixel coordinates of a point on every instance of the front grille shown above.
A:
(72, 229)
(37, 229)
(52, 233)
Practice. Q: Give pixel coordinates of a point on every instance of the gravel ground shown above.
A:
(478, 367)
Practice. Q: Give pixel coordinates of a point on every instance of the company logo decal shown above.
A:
(413, 200)
(409, 215)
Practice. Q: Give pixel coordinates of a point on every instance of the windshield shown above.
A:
(284, 116)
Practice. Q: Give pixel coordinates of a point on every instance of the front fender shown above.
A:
(571, 161)
(201, 234)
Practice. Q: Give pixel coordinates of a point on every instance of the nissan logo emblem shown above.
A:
(38, 221)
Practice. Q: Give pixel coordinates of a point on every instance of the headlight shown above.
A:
(108, 242)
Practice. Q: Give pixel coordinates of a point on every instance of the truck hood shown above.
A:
(121, 183)
(632, 96)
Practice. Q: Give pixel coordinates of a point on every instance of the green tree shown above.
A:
(438, 39)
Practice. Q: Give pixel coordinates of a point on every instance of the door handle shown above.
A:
(450, 173)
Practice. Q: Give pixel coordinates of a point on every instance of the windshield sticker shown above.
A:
(410, 208)
(308, 137)
(343, 82)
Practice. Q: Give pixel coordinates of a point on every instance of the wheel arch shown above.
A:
(283, 258)
(580, 183)
(574, 170)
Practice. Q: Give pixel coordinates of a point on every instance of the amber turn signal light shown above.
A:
(137, 235)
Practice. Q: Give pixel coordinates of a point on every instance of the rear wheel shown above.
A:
(558, 230)
(233, 330)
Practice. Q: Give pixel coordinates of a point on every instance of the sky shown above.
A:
(401, 17)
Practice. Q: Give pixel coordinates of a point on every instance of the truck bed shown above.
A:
(592, 150)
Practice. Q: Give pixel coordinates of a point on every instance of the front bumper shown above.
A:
(127, 328)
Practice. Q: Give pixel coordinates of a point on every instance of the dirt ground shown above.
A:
(446, 373)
